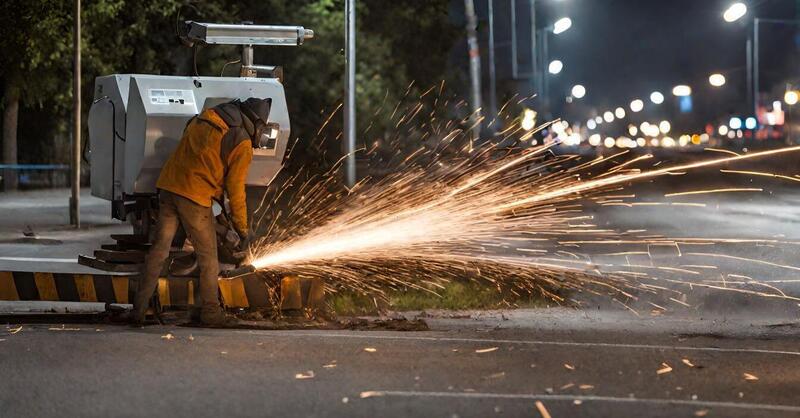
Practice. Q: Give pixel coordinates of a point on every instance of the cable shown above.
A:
(194, 60)
(221, 73)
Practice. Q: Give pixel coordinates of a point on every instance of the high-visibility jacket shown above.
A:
(208, 163)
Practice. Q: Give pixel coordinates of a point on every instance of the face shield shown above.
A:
(266, 135)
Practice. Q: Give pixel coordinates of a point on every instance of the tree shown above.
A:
(34, 38)
(398, 42)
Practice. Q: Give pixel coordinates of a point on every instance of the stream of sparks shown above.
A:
(516, 216)
(475, 211)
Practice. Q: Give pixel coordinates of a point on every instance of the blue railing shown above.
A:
(34, 167)
(37, 175)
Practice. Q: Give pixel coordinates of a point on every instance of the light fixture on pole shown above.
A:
(682, 90)
(791, 97)
(735, 12)
(541, 39)
(578, 91)
(664, 126)
(717, 80)
(637, 106)
(562, 25)
(656, 97)
(555, 67)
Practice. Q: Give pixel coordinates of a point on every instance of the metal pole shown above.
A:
(492, 69)
(350, 90)
(514, 64)
(756, 81)
(74, 201)
(534, 67)
(474, 67)
(545, 68)
(749, 51)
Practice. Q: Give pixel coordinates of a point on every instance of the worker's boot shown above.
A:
(217, 318)
(194, 314)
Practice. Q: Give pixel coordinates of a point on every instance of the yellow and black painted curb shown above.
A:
(239, 292)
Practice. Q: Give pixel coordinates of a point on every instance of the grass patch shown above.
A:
(457, 295)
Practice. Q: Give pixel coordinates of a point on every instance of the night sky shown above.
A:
(625, 49)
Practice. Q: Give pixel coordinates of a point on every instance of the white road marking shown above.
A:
(585, 398)
(40, 259)
(528, 342)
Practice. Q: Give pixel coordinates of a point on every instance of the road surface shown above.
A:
(709, 353)
(493, 364)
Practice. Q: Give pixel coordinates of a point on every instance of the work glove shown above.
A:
(244, 246)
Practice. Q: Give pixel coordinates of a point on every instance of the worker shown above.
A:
(213, 158)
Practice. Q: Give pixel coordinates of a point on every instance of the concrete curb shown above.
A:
(240, 292)
(249, 291)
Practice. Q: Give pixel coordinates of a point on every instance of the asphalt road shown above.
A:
(575, 363)
(601, 360)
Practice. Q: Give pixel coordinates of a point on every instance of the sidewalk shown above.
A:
(56, 244)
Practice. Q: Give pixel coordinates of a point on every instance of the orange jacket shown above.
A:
(198, 171)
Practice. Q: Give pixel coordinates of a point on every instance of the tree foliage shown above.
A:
(398, 41)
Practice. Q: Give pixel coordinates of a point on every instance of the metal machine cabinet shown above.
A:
(137, 120)
(153, 117)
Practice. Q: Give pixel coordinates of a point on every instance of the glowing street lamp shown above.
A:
(562, 25)
(608, 117)
(717, 80)
(664, 127)
(637, 106)
(619, 113)
(682, 90)
(578, 91)
(555, 67)
(656, 97)
(528, 119)
(735, 12)
(791, 97)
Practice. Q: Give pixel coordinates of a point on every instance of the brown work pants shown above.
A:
(198, 222)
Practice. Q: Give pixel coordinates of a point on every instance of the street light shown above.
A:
(562, 25)
(528, 119)
(578, 91)
(717, 80)
(682, 90)
(555, 67)
(664, 127)
(656, 97)
(735, 12)
(620, 113)
(637, 106)
(542, 38)
(791, 97)
(608, 117)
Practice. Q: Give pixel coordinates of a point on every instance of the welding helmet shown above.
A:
(264, 133)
